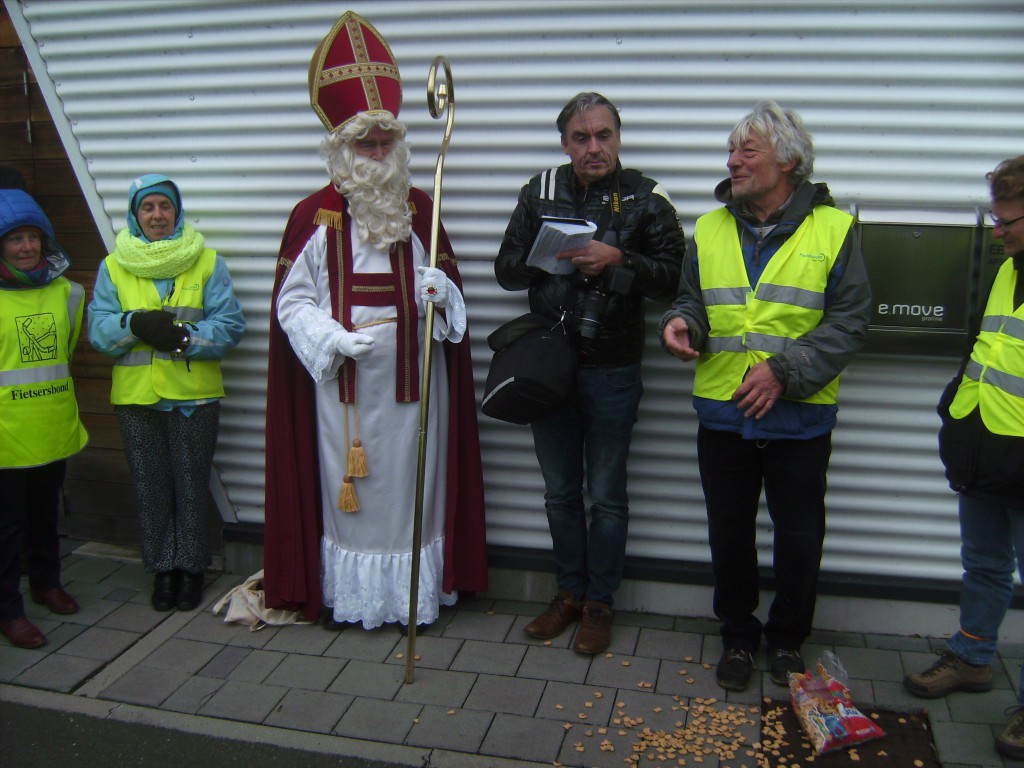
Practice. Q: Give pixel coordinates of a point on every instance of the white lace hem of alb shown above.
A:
(374, 588)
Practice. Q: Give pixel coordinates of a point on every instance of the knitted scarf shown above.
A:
(14, 278)
(161, 258)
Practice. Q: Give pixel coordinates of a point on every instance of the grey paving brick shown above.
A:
(59, 672)
(870, 663)
(577, 704)
(685, 678)
(437, 686)
(830, 638)
(256, 666)
(145, 685)
(315, 711)
(365, 678)
(378, 720)
(89, 569)
(132, 617)
(313, 673)
(193, 694)
(311, 639)
(497, 693)
(663, 644)
(475, 625)
(248, 702)
(897, 642)
(121, 594)
(14, 661)
(981, 707)
(629, 672)
(433, 652)
(554, 664)
(187, 655)
(357, 643)
(90, 611)
(60, 635)
(523, 738)
(895, 697)
(450, 728)
(966, 743)
(493, 658)
(225, 662)
(100, 643)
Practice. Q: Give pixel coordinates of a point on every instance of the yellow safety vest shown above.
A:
(750, 325)
(39, 421)
(143, 375)
(994, 377)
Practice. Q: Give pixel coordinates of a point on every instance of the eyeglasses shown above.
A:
(997, 222)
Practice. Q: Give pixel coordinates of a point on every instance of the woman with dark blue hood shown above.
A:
(164, 307)
(40, 321)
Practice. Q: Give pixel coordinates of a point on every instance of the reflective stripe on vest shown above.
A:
(143, 375)
(994, 376)
(39, 420)
(748, 326)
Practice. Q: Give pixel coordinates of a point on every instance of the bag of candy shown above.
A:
(825, 709)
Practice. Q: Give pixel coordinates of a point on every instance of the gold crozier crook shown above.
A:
(440, 98)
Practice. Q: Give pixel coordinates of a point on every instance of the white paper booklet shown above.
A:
(557, 235)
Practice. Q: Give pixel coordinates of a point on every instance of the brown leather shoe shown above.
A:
(595, 633)
(23, 633)
(563, 611)
(56, 599)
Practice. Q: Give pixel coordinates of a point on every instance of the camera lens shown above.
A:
(592, 312)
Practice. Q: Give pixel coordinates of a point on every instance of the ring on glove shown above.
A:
(431, 290)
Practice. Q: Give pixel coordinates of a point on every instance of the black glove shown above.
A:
(157, 328)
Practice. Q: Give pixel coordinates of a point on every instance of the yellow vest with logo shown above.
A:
(39, 421)
(994, 377)
(143, 375)
(748, 325)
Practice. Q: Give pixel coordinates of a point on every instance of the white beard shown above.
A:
(377, 193)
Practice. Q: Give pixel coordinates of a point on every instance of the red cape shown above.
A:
(293, 523)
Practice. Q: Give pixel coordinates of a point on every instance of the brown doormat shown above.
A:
(907, 742)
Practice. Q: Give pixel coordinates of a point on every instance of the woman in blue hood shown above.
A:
(165, 309)
(40, 321)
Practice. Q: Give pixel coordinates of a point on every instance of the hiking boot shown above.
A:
(595, 633)
(1011, 741)
(734, 669)
(782, 662)
(563, 611)
(950, 673)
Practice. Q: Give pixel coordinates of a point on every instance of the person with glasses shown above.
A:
(981, 443)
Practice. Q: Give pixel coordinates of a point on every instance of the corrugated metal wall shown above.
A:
(911, 103)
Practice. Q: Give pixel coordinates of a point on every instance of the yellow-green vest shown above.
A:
(143, 375)
(39, 421)
(994, 377)
(750, 325)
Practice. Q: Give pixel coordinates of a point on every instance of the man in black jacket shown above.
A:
(636, 254)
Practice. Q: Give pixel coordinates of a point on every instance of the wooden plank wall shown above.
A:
(98, 501)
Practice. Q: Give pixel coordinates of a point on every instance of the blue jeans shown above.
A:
(992, 538)
(590, 433)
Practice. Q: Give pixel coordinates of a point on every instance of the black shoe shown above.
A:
(165, 591)
(190, 590)
(327, 619)
(734, 669)
(783, 661)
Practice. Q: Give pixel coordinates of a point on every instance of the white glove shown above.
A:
(354, 345)
(433, 286)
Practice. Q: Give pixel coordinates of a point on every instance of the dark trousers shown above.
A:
(170, 456)
(792, 473)
(29, 510)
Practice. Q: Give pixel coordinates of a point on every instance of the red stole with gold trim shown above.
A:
(376, 289)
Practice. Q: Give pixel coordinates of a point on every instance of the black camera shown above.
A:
(595, 301)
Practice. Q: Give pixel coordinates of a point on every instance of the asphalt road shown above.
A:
(32, 737)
